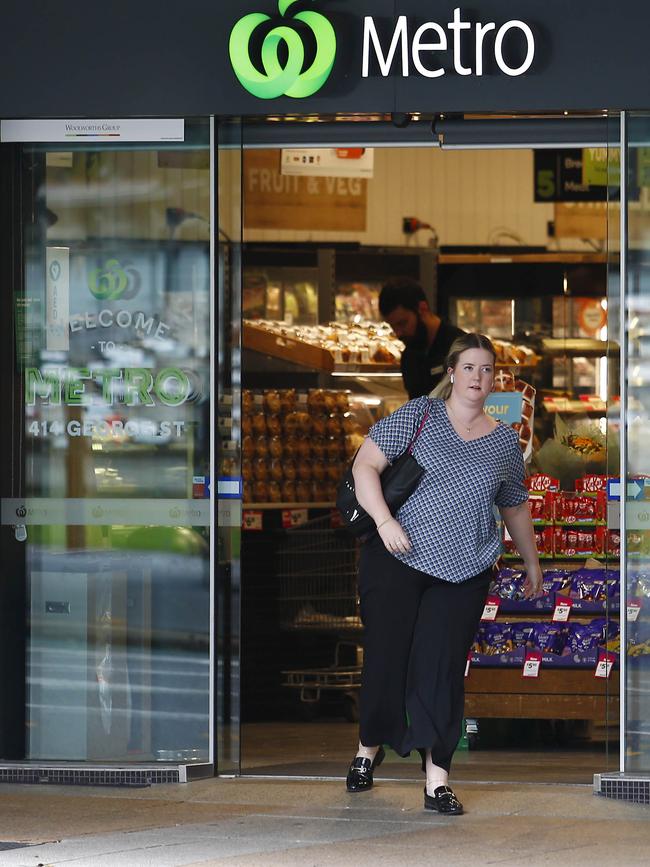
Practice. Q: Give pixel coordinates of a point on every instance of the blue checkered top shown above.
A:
(450, 520)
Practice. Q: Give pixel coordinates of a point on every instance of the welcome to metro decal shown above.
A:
(116, 374)
(294, 54)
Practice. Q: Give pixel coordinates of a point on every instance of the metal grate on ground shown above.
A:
(623, 787)
(136, 777)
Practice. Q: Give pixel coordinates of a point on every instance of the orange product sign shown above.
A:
(591, 316)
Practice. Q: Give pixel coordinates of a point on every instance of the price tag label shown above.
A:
(532, 663)
(491, 608)
(562, 609)
(605, 664)
(252, 520)
(468, 663)
(293, 518)
(633, 609)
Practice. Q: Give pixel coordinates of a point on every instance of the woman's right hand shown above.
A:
(394, 537)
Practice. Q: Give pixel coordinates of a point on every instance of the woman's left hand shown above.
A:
(533, 582)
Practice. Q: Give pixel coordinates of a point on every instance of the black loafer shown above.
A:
(359, 777)
(444, 801)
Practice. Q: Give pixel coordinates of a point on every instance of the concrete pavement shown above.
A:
(253, 821)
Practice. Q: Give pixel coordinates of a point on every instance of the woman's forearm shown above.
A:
(367, 486)
(520, 526)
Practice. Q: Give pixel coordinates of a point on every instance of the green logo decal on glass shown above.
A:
(278, 80)
(113, 281)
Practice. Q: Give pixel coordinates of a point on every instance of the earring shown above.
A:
(451, 378)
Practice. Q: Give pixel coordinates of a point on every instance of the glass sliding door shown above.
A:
(228, 169)
(635, 439)
(106, 481)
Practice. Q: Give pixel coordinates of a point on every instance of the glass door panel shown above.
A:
(110, 502)
(636, 432)
(229, 157)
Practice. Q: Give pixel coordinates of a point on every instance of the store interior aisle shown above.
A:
(531, 752)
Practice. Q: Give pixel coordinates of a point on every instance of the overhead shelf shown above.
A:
(565, 405)
(540, 258)
(578, 346)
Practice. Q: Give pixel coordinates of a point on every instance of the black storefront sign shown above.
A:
(78, 59)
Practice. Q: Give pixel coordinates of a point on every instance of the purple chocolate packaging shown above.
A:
(497, 638)
(479, 639)
(509, 584)
(522, 635)
(607, 629)
(583, 636)
(550, 637)
(589, 584)
(556, 580)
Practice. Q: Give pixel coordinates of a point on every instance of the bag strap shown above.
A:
(417, 433)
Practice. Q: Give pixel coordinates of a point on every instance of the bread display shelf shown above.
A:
(297, 351)
(286, 348)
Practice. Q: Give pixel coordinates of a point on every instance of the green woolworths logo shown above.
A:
(278, 80)
(113, 281)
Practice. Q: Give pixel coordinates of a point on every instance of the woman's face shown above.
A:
(473, 374)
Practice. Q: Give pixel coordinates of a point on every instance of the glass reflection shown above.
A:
(637, 413)
(114, 349)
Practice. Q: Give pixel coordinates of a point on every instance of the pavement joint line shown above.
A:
(572, 848)
(350, 820)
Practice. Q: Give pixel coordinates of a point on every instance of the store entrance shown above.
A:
(105, 535)
(496, 250)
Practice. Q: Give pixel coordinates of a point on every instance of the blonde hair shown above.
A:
(473, 340)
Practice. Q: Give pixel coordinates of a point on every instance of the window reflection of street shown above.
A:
(118, 408)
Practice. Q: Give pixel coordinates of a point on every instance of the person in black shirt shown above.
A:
(427, 337)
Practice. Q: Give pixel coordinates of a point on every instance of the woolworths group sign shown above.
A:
(292, 53)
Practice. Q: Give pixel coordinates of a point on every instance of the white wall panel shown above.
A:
(469, 196)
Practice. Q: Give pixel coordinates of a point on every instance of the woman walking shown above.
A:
(424, 575)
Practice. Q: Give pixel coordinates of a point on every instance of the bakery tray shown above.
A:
(305, 354)
(286, 348)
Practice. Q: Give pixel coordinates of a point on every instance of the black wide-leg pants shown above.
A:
(418, 632)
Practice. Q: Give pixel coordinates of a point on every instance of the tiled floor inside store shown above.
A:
(528, 753)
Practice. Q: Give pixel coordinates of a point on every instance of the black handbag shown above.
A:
(398, 481)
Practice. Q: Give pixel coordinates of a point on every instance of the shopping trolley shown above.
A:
(317, 571)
